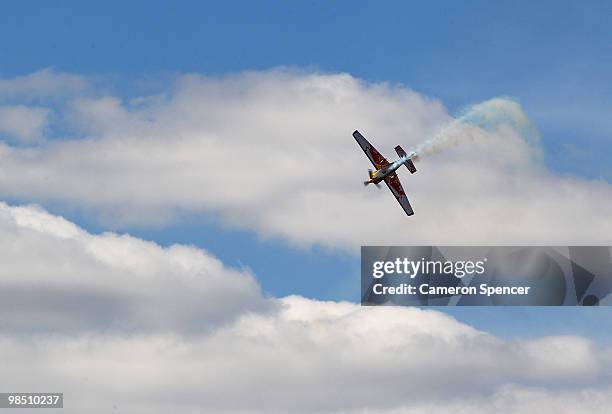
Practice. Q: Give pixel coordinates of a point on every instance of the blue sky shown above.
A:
(554, 57)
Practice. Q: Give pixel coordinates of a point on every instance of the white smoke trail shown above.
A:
(475, 121)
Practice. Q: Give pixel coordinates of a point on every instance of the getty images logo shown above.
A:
(412, 268)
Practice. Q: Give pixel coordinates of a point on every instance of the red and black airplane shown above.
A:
(385, 171)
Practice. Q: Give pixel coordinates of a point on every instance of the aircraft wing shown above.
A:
(395, 186)
(374, 156)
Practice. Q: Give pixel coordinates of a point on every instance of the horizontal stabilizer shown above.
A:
(400, 151)
(409, 164)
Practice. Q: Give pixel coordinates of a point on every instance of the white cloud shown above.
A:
(55, 276)
(43, 84)
(272, 152)
(22, 123)
(347, 359)
(116, 322)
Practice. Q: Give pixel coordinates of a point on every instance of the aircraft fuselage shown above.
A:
(379, 175)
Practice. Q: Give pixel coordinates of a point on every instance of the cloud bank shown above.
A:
(272, 152)
(57, 277)
(118, 323)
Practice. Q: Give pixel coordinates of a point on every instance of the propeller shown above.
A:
(365, 183)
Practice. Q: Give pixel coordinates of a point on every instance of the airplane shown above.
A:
(385, 171)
